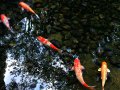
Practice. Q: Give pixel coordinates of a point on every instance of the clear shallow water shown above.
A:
(16, 74)
(35, 66)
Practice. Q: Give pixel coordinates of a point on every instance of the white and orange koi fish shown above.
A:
(104, 70)
(5, 21)
(48, 43)
(78, 71)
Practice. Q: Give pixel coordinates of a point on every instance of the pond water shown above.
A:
(82, 28)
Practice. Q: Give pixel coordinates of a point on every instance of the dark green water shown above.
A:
(91, 29)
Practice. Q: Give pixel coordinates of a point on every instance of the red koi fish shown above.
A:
(5, 21)
(78, 71)
(104, 70)
(48, 43)
(27, 7)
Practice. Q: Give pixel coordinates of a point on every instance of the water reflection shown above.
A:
(18, 77)
(29, 63)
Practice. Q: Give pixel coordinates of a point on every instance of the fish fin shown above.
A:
(60, 51)
(72, 68)
(99, 69)
(83, 67)
(108, 70)
(102, 88)
(22, 9)
(91, 87)
(8, 18)
(11, 29)
(37, 16)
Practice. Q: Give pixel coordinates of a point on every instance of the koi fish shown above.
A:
(104, 70)
(5, 21)
(27, 7)
(48, 43)
(78, 71)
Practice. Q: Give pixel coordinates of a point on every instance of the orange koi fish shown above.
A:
(5, 21)
(48, 43)
(78, 71)
(104, 70)
(27, 7)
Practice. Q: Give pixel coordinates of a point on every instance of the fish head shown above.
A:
(76, 62)
(2, 16)
(21, 3)
(39, 37)
(104, 63)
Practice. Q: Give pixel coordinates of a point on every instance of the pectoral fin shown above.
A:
(8, 18)
(72, 68)
(22, 9)
(99, 69)
(83, 67)
(108, 70)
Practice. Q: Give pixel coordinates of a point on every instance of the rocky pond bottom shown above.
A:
(88, 29)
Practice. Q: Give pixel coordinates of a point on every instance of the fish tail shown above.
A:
(37, 16)
(60, 51)
(91, 87)
(11, 29)
(102, 88)
(32, 11)
(85, 85)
